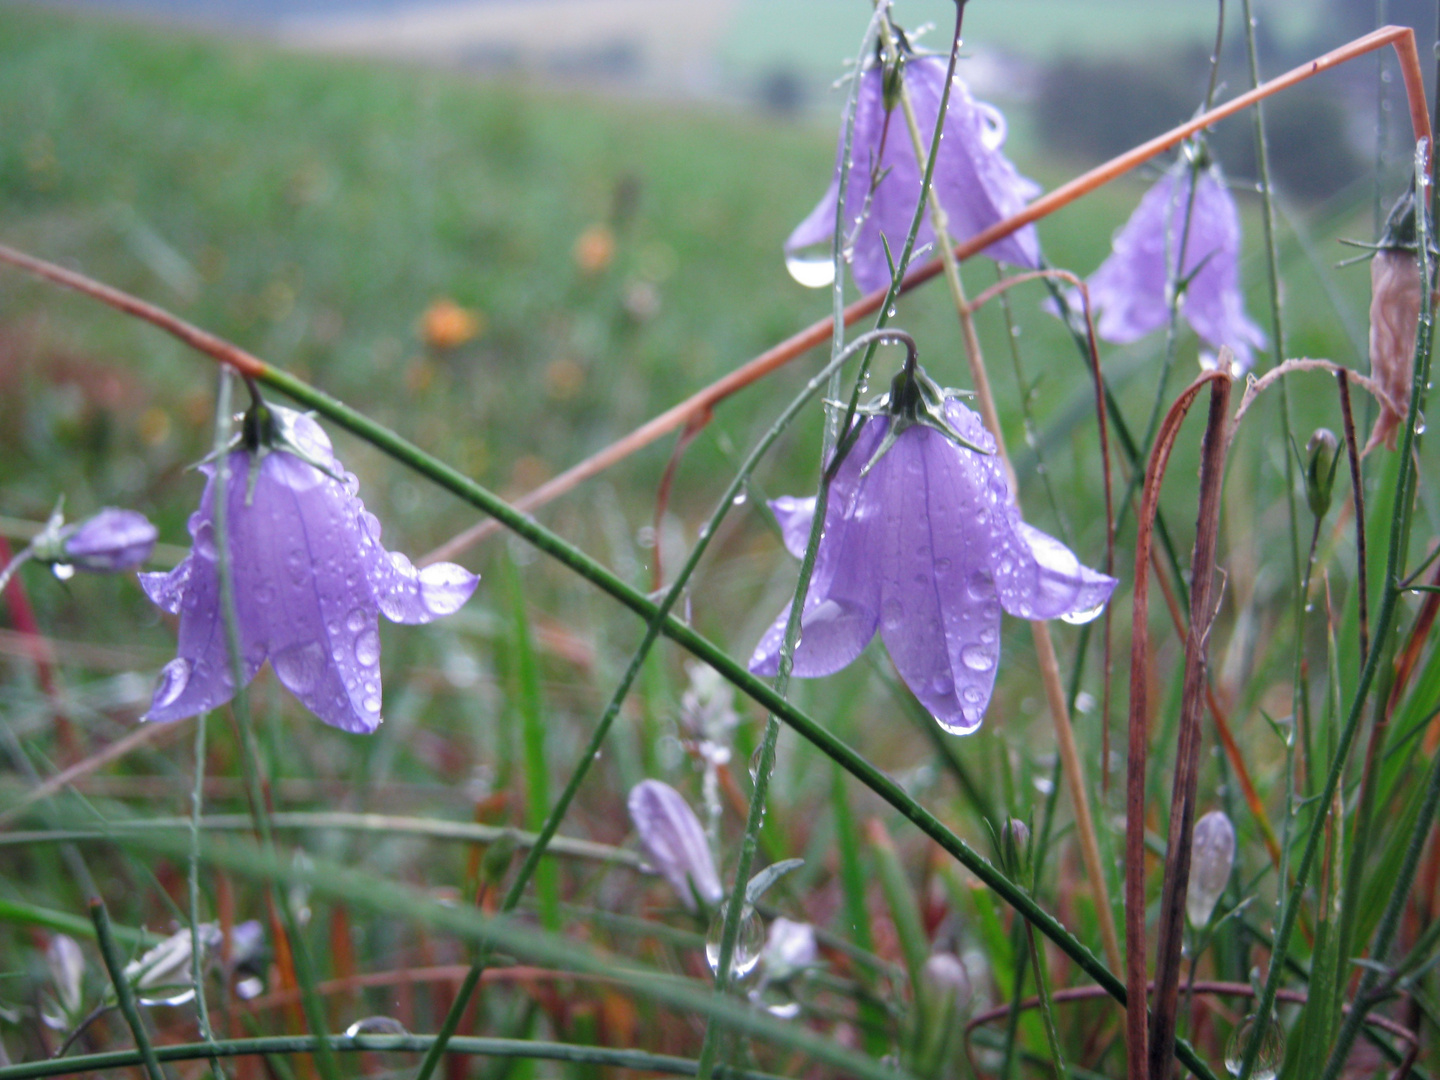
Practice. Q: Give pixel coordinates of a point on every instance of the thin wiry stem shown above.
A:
(1048, 662)
(115, 965)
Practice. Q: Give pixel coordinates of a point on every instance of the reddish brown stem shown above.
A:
(1135, 980)
(1357, 489)
(1187, 753)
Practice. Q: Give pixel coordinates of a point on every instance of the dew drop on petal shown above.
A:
(892, 611)
(977, 657)
(749, 942)
(172, 681)
(367, 648)
(371, 703)
(205, 540)
(445, 587)
(299, 666)
(1079, 618)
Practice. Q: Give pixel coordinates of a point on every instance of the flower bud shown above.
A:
(943, 978)
(1321, 459)
(111, 541)
(1015, 849)
(674, 842)
(789, 949)
(1212, 853)
(67, 970)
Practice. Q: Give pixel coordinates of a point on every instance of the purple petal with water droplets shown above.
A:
(674, 841)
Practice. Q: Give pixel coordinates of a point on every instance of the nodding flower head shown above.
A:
(674, 842)
(311, 579)
(1130, 288)
(975, 183)
(923, 542)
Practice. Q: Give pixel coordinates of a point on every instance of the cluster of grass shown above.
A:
(618, 256)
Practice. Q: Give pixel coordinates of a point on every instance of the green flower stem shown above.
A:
(306, 1044)
(526, 527)
(463, 831)
(1042, 987)
(115, 965)
(1389, 600)
(656, 620)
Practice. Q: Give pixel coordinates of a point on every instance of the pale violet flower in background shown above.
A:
(1129, 289)
(110, 542)
(976, 184)
(674, 842)
(928, 547)
(1212, 854)
(789, 948)
(311, 579)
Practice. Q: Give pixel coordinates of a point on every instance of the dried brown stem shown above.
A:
(1357, 489)
(1135, 980)
(1187, 753)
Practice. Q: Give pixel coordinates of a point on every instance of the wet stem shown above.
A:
(1044, 646)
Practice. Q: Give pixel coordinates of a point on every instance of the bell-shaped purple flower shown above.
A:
(311, 579)
(927, 547)
(111, 541)
(1129, 289)
(674, 842)
(976, 184)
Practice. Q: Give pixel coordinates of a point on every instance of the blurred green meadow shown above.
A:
(608, 257)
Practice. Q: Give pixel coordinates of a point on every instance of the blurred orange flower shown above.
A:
(594, 249)
(446, 325)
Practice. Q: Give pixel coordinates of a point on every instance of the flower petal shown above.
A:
(199, 677)
(404, 594)
(298, 563)
(1047, 581)
(674, 841)
(939, 615)
(842, 605)
(1213, 304)
(795, 516)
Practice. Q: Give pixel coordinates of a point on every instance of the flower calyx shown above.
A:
(265, 429)
(914, 398)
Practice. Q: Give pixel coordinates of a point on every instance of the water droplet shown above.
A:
(749, 942)
(205, 540)
(755, 765)
(376, 1025)
(264, 593)
(784, 1010)
(444, 587)
(356, 620)
(941, 565)
(367, 648)
(739, 499)
(62, 571)
(813, 268)
(171, 683)
(299, 666)
(1079, 618)
(892, 611)
(1267, 1058)
(978, 657)
(371, 703)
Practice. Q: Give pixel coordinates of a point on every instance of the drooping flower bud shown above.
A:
(944, 976)
(162, 976)
(111, 541)
(674, 842)
(1394, 318)
(1212, 854)
(1321, 459)
(67, 970)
